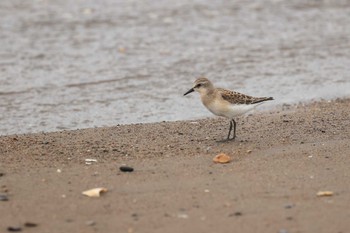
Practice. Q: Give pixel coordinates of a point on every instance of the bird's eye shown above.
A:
(199, 85)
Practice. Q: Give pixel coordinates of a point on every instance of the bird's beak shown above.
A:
(189, 91)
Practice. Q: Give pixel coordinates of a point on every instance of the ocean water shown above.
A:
(79, 64)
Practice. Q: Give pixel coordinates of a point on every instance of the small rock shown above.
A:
(288, 206)
(14, 229)
(166, 215)
(90, 223)
(30, 224)
(283, 231)
(126, 169)
(183, 216)
(235, 214)
(238, 214)
(3, 197)
(135, 216)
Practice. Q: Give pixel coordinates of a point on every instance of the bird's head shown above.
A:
(201, 85)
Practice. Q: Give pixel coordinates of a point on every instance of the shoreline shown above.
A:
(261, 109)
(280, 160)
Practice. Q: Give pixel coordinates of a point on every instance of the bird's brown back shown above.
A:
(238, 98)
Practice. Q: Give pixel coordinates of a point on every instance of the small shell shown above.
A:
(324, 193)
(94, 192)
(222, 158)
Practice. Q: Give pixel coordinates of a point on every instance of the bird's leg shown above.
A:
(229, 131)
(234, 129)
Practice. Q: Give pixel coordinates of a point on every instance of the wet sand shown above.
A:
(281, 159)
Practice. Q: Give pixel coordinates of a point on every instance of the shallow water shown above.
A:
(77, 64)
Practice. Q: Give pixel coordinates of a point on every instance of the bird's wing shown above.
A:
(238, 98)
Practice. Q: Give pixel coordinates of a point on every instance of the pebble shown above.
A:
(238, 214)
(288, 206)
(30, 224)
(126, 169)
(135, 216)
(183, 216)
(90, 223)
(13, 229)
(235, 214)
(3, 197)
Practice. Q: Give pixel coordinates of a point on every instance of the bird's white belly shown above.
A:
(229, 110)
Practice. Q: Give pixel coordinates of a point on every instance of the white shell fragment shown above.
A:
(96, 192)
(324, 193)
(90, 161)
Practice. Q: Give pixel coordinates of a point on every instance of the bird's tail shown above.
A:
(262, 99)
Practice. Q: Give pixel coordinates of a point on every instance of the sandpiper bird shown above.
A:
(225, 103)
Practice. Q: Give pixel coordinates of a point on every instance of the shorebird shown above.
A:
(225, 103)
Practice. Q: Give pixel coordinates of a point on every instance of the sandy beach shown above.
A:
(280, 161)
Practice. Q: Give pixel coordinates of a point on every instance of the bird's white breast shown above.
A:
(225, 109)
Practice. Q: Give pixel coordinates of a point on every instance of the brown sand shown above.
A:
(280, 161)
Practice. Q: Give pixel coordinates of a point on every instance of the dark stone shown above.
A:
(126, 169)
(238, 214)
(30, 224)
(14, 229)
(3, 197)
(235, 214)
(288, 206)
